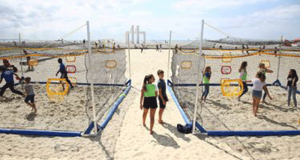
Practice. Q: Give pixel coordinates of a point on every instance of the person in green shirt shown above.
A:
(206, 77)
(243, 76)
(148, 100)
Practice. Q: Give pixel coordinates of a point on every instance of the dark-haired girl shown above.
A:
(243, 76)
(148, 100)
(292, 80)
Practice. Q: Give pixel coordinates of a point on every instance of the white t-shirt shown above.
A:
(242, 73)
(258, 85)
(29, 89)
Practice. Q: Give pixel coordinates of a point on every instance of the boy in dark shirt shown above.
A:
(7, 74)
(163, 98)
(64, 73)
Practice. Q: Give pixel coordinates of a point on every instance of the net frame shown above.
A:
(224, 133)
(94, 124)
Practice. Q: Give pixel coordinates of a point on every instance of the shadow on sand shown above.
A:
(165, 140)
(174, 130)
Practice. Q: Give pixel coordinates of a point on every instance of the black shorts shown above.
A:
(150, 102)
(29, 98)
(161, 104)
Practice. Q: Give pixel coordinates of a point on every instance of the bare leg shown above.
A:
(34, 107)
(29, 104)
(145, 116)
(161, 111)
(256, 107)
(152, 117)
(253, 105)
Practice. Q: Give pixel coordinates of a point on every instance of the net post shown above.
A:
(128, 39)
(198, 77)
(279, 58)
(21, 62)
(92, 80)
(170, 39)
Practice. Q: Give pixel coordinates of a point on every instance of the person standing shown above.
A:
(243, 77)
(259, 84)
(148, 100)
(163, 98)
(206, 78)
(160, 46)
(292, 80)
(30, 67)
(264, 71)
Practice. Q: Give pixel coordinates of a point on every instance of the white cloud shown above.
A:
(205, 5)
(266, 24)
(37, 19)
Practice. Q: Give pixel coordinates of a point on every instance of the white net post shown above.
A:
(92, 81)
(128, 40)
(170, 40)
(198, 77)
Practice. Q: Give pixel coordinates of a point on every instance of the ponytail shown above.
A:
(146, 79)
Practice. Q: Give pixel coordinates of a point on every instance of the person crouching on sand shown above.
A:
(148, 100)
(163, 98)
(259, 84)
(29, 92)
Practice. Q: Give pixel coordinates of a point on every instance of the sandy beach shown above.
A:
(126, 138)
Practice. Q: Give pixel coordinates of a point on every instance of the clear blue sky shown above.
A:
(256, 19)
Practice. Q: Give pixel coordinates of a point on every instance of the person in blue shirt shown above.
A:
(64, 73)
(8, 76)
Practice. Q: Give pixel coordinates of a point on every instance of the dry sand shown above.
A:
(125, 138)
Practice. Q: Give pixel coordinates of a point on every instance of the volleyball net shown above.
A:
(98, 78)
(222, 114)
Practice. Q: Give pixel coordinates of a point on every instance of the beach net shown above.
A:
(224, 111)
(60, 107)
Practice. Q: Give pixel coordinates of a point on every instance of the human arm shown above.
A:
(162, 97)
(57, 72)
(295, 79)
(269, 71)
(142, 98)
(17, 77)
(15, 69)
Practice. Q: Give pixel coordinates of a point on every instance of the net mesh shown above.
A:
(225, 57)
(73, 110)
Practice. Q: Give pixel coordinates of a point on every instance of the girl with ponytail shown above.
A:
(148, 100)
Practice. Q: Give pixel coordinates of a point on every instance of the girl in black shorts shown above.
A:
(148, 100)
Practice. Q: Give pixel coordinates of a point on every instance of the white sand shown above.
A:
(125, 138)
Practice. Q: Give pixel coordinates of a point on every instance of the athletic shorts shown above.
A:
(64, 75)
(257, 94)
(161, 104)
(150, 102)
(29, 98)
